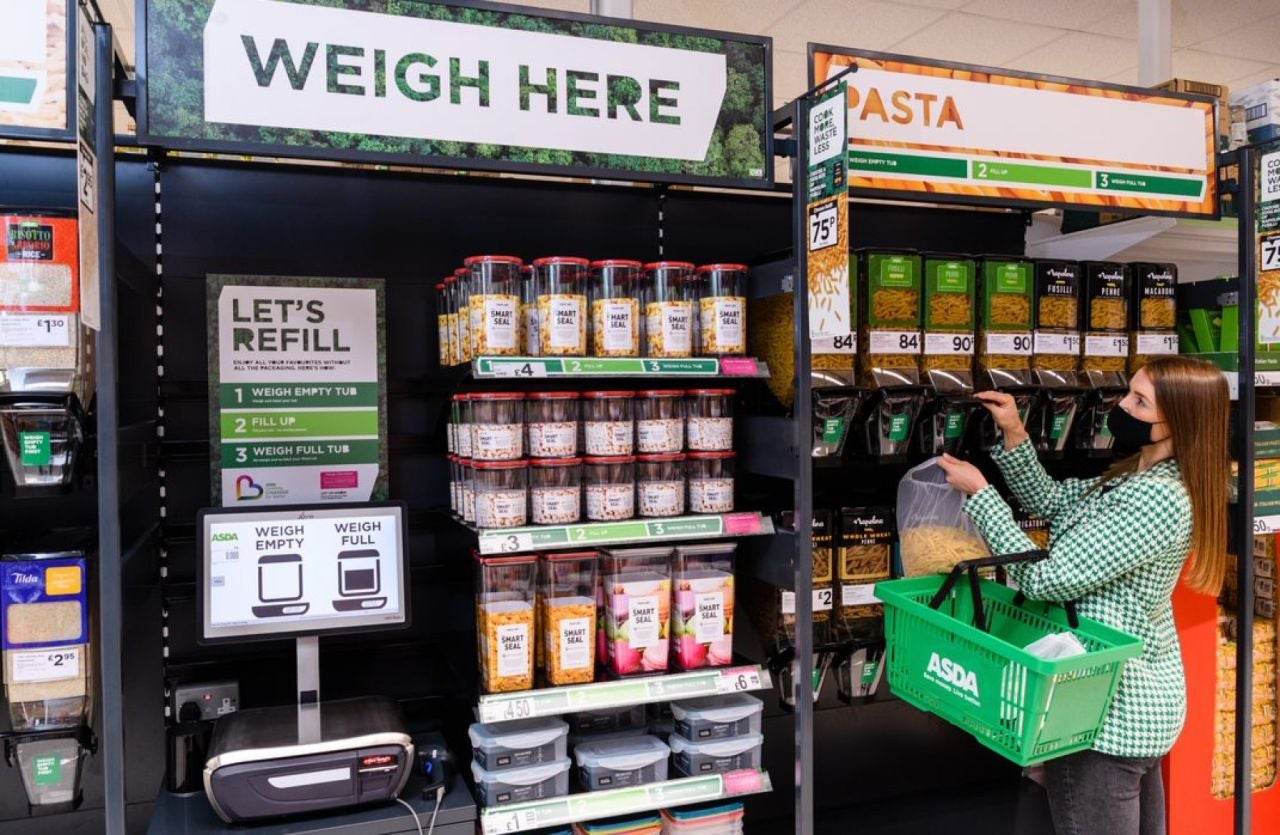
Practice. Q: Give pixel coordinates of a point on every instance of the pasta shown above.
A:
(773, 342)
(949, 311)
(1263, 737)
(889, 305)
(1058, 312)
(859, 562)
(907, 362)
(954, 309)
(1010, 309)
(828, 362)
(821, 562)
(1158, 314)
(932, 549)
(1269, 291)
(1107, 315)
(1104, 363)
(567, 620)
(895, 305)
(1057, 362)
(823, 556)
(1007, 361)
(828, 271)
(948, 362)
(829, 268)
(1007, 287)
(1269, 287)
(506, 628)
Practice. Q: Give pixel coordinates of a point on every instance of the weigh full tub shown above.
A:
(1026, 708)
